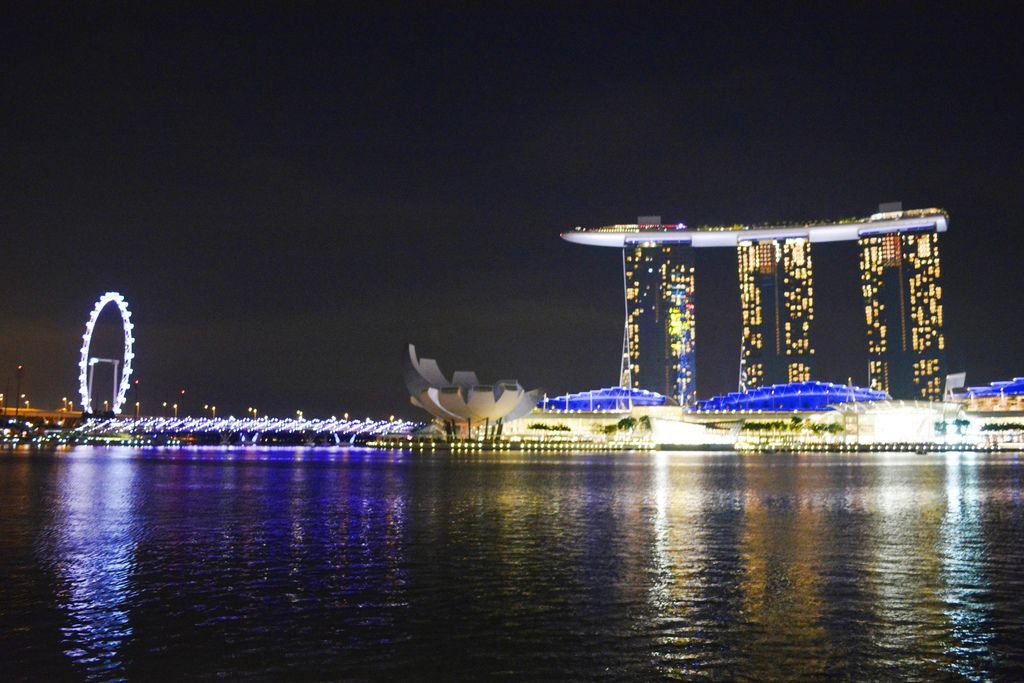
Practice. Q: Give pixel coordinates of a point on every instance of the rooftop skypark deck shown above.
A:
(845, 229)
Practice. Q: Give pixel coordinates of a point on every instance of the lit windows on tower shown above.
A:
(777, 309)
(903, 309)
(660, 331)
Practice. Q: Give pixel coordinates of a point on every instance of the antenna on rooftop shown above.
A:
(954, 381)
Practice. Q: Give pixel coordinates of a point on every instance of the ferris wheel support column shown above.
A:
(113, 395)
(92, 371)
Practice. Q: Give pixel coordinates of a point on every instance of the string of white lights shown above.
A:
(85, 361)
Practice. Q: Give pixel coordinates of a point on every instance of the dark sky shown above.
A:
(288, 194)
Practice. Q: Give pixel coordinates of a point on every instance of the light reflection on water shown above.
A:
(339, 563)
(965, 588)
(90, 549)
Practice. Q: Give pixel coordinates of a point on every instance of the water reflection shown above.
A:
(964, 585)
(681, 563)
(781, 541)
(342, 563)
(93, 536)
(904, 568)
(809, 566)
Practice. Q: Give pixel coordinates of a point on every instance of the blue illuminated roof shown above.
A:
(609, 398)
(1010, 388)
(795, 396)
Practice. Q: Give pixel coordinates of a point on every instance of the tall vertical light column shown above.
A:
(660, 326)
(903, 308)
(777, 309)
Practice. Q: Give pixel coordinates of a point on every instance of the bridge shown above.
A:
(37, 416)
(54, 427)
(234, 430)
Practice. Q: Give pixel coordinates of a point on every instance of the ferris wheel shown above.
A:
(87, 364)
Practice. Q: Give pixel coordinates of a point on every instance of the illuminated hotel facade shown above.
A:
(903, 309)
(660, 337)
(900, 284)
(776, 309)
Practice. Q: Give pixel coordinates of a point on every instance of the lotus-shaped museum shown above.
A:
(464, 398)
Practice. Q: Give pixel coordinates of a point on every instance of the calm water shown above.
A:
(340, 564)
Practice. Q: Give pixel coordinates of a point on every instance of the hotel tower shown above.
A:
(903, 307)
(660, 335)
(777, 308)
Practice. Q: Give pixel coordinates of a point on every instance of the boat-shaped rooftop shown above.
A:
(914, 220)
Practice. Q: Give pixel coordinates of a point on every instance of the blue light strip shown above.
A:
(607, 399)
(1005, 388)
(804, 396)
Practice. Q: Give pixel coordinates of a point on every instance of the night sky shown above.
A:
(288, 195)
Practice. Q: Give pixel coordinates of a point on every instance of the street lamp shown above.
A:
(165, 408)
(17, 390)
(137, 404)
(175, 411)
